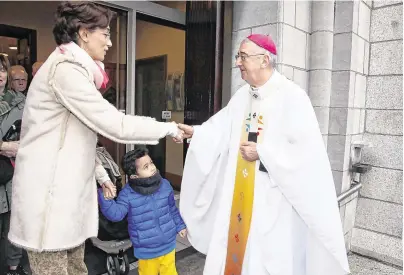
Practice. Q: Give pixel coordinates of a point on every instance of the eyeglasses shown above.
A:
(19, 79)
(245, 56)
(107, 35)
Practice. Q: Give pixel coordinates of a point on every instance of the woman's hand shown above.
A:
(109, 190)
(10, 148)
(176, 133)
(179, 137)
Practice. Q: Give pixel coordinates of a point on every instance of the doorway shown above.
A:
(19, 44)
(150, 99)
(191, 34)
(156, 29)
(116, 69)
(159, 92)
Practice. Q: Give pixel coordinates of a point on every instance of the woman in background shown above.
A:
(11, 109)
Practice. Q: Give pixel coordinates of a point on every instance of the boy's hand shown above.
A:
(183, 233)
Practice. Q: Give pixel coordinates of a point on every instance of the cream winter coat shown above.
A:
(54, 192)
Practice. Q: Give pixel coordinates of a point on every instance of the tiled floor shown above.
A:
(193, 265)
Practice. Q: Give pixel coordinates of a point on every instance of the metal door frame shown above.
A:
(147, 8)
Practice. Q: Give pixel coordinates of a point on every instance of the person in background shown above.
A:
(19, 79)
(36, 67)
(55, 208)
(11, 109)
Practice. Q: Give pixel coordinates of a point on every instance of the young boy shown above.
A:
(153, 218)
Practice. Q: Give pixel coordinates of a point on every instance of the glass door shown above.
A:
(116, 69)
(145, 65)
(155, 69)
(159, 93)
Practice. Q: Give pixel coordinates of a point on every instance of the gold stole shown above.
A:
(243, 198)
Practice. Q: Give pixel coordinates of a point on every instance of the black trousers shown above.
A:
(13, 254)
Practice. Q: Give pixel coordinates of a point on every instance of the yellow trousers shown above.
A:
(163, 265)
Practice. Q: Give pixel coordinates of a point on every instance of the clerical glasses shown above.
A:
(245, 56)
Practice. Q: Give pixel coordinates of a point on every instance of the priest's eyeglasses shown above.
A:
(245, 56)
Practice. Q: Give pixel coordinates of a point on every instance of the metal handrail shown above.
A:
(349, 192)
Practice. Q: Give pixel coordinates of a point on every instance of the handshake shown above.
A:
(183, 132)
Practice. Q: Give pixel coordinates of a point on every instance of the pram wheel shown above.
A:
(118, 265)
(113, 266)
(125, 270)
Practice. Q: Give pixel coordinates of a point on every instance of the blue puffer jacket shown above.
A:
(153, 220)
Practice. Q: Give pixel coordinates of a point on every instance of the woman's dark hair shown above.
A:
(5, 66)
(71, 16)
(129, 159)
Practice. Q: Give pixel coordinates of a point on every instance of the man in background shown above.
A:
(19, 79)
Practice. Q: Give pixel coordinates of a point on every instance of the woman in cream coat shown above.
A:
(54, 193)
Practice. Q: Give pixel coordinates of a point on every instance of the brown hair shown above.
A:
(71, 16)
(5, 65)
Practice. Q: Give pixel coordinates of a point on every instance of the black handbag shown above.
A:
(13, 133)
(6, 170)
(6, 167)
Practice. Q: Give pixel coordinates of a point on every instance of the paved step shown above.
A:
(380, 216)
(385, 248)
(192, 263)
(378, 229)
(365, 266)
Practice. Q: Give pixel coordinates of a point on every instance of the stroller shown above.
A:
(113, 237)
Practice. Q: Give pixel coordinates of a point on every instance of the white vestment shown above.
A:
(295, 227)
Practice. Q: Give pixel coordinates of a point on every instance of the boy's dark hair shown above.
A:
(71, 16)
(129, 160)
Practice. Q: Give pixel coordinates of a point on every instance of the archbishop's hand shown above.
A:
(248, 151)
(188, 130)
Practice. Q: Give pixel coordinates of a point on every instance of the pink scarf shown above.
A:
(96, 67)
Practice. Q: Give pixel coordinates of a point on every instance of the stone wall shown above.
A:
(378, 225)
(347, 101)
(324, 60)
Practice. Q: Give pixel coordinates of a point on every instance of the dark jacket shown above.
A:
(7, 118)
